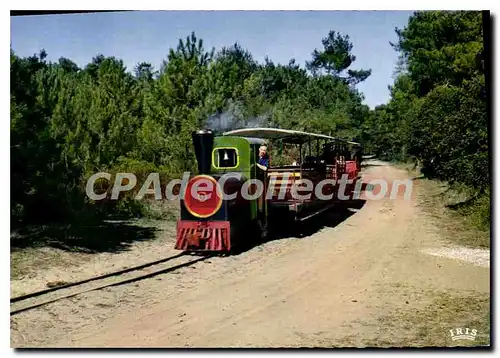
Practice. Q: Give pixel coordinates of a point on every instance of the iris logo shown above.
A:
(463, 333)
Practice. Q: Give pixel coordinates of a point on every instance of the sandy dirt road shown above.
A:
(361, 278)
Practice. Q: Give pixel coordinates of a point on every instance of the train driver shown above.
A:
(263, 162)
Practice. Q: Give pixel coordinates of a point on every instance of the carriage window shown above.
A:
(226, 158)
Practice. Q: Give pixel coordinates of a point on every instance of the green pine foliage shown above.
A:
(68, 123)
(437, 114)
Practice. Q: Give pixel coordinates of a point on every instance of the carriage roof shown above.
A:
(252, 140)
(291, 136)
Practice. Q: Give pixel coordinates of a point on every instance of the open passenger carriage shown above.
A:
(211, 221)
(320, 157)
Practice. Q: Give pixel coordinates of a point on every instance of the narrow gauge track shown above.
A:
(43, 297)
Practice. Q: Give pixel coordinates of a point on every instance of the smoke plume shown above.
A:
(234, 118)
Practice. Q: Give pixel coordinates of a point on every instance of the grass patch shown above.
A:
(411, 168)
(167, 210)
(460, 213)
(428, 325)
(460, 219)
(27, 262)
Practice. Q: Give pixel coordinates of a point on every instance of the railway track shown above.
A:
(132, 274)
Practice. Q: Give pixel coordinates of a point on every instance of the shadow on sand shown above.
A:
(105, 236)
(283, 230)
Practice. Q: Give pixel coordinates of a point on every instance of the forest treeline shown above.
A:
(68, 123)
(438, 110)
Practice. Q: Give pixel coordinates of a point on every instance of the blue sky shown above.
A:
(147, 36)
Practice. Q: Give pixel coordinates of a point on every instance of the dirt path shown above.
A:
(367, 281)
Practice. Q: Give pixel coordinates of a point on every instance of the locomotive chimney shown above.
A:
(203, 141)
